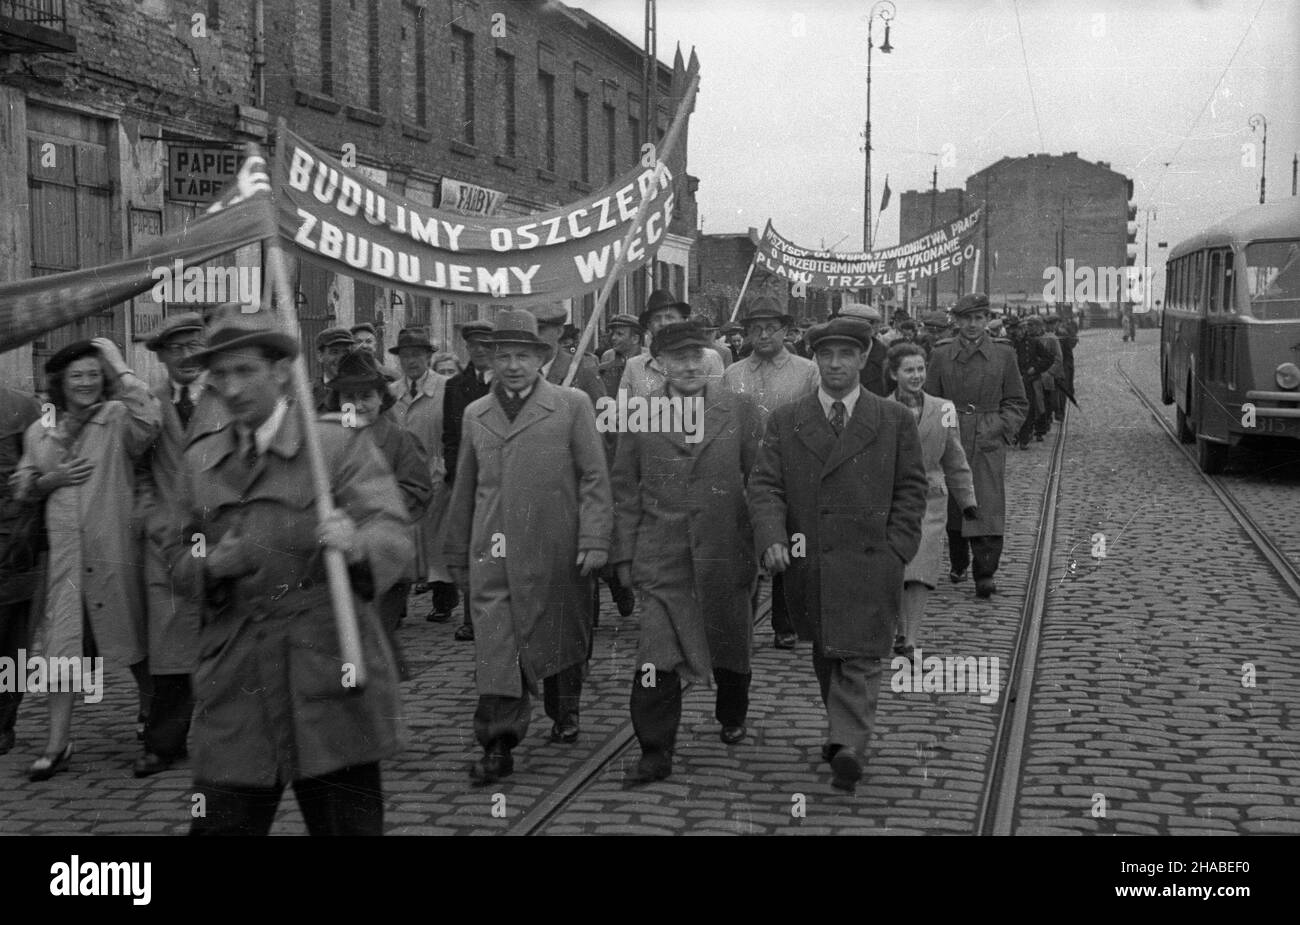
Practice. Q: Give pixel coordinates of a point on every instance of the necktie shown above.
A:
(250, 452)
(185, 406)
(414, 387)
(837, 417)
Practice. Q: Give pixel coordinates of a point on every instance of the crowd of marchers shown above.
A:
(174, 529)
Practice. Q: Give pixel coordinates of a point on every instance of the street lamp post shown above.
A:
(883, 10)
(1256, 121)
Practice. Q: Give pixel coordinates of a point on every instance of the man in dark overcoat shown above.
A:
(683, 538)
(837, 498)
(981, 379)
(528, 528)
(277, 705)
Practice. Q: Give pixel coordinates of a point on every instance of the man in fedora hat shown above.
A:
(550, 327)
(420, 395)
(274, 703)
(875, 375)
(982, 380)
(644, 376)
(189, 409)
(840, 478)
(360, 394)
(625, 333)
(774, 377)
(528, 529)
(471, 383)
(332, 344)
(683, 536)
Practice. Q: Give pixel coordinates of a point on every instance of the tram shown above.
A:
(1230, 333)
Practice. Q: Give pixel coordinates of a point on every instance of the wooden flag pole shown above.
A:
(620, 261)
(336, 570)
(744, 286)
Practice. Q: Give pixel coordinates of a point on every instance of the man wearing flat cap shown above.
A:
(982, 380)
(644, 375)
(366, 336)
(275, 705)
(550, 328)
(189, 409)
(773, 377)
(332, 345)
(875, 366)
(683, 537)
(528, 529)
(837, 499)
(624, 342)
(470, 384)
(420, 406)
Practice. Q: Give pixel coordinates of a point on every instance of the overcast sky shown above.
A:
(776, 132)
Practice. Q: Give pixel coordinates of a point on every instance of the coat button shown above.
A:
(89, 569)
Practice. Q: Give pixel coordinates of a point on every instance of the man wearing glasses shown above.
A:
(189, 409)
(773, 377)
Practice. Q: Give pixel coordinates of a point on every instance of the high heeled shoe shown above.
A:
(45, 767)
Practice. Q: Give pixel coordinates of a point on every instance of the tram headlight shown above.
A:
(1288, 376)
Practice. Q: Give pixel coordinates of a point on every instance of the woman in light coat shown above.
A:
(83, 465)
(946, 471)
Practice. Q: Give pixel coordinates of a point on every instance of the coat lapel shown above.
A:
(717, 404)
(813, 429)
(540, 404)
(858, 433)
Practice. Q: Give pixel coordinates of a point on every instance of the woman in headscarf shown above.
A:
(82, 464)
(946, 470)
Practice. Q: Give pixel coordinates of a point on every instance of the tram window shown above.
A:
(1180, 281)
(1215, 282)
(1196, 283)
(1273, 279)
(1229, 283)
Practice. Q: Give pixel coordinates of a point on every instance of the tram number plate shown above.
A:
(1276, 425)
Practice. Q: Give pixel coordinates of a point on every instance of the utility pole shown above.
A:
(934, 217)
(649, 106)
(884, 10)
(1258, 121)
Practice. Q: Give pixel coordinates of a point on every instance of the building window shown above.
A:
(582, 115)
(634, 137)
(505, 98)
(462, 56)
(546, 114)
(326, 33)
(611, 139)
(415, 86)
(372, 53)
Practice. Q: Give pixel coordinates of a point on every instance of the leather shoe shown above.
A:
(955, 576)
(847, 769)
(46, 766)
(829, 750)
(625, 598)
(985, 587)
(438, 616)
(786, 640)
(465, 632)
(649, 768)
(495, 764)
(733, 734)
(150, 763)
(565, 733)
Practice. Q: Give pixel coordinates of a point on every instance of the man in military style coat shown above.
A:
(837, 498)
(683, 538)
(189, 410)
(471, 383)
(528, 529)
(275, 704)
(980, 377)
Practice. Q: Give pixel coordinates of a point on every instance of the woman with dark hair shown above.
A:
(360, 390)
(83, 467)
(946, 470)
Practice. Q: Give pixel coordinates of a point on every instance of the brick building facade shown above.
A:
(536, 101)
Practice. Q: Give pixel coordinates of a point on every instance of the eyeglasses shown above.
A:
(189, 346)
(761, 329)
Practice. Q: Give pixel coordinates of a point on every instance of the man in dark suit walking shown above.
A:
(837, 498)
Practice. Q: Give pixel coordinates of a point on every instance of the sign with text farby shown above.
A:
(468, 199)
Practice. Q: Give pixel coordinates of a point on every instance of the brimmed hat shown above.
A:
(679, 334)
(859, 310)
(659, 300)
(732, 328)
(971, 302)
(766, 307)
(840, 328)
(550, 314)
(412, 337)
(331, 336)
(626, 321)
(935, 319)
(176, 324)
(518, 326)
(359, 370)
(74, 351)
(240, 332)
(475, 329)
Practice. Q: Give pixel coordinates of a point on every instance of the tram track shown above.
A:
(1285, 568)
